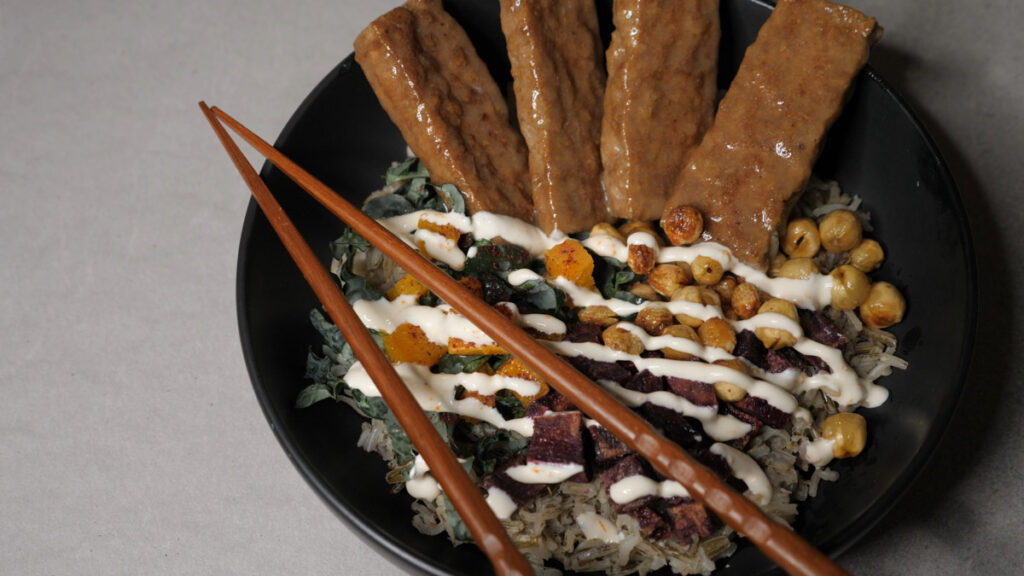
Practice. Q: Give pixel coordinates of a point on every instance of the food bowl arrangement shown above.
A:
(877, 150)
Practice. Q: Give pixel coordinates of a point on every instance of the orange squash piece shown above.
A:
(571, 261)
(460, 346)
(516, 369)
(407, 285)
(408, 343)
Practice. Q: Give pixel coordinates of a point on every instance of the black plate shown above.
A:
(878, 149)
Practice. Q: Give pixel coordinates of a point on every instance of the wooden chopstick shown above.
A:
(778, 542)
(488, 533)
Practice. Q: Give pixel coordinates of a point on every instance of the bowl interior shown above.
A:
(877, 150)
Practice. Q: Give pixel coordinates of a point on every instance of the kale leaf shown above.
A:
(496, 259)
(459, 363)
(612, 277)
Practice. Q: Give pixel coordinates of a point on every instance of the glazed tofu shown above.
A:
(437, 90)
(757, 156)
(660, 99)
(558, 79)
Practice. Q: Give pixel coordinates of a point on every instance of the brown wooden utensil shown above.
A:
(488, 533)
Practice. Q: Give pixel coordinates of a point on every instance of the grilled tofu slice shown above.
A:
(437, 90)
(757, 156)
(558, 79)
(660, 99)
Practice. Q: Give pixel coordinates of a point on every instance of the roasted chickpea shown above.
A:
(779, 306)
(600, 315)
(776, 338)
(729, 392)
(699, 295)
(725, 287)
(666, 279)
(717, 333)
(644, 291)
(802, 239)
(847, 431)
(840, 231)
(706, 271)
(634, 226)
(850, 287)
(733, 363)
(680, 331)
(745, 300)
(683, 225)
(622, 340)
(883, 307)
(608, 230)
(798, 269)
(641, 258)
(654, 320)
(776, 264)
(867, 256)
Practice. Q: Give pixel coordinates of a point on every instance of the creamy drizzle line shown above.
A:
(485, 225)
(843, 384)
(436, 392)
(746, 469)
(634, 487)
(814, 292)
(597, 527)
(819, 452)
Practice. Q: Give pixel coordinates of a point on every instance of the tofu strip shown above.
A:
(759, 152)
(437, 90)
(660, 99)
(558, 78)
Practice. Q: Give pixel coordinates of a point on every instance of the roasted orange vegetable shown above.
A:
(459, 346)
(447, 230)
(408, 343)
(488, 400)
(516, 369)
(571, 261)
(407, 285)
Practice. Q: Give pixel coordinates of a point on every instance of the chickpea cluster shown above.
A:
(840, 232)
(704, 281)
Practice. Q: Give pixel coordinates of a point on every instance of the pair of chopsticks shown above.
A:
(778, 542)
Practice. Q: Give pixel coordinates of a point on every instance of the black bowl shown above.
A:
(878, 149)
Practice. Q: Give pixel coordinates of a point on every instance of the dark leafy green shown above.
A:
(409, 169)
(508, 405)
(539, 295)
(612, 277)
(387, 206)
(496, 259)
(458, 363)
(459, 533)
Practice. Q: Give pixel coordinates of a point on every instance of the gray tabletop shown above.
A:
(130, 439)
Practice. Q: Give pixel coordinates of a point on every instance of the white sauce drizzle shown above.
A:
(721, 427)
(436, 392)
(421, 484)
(745, 468)
(634, 487)
(843, 384)
(819, 452)
(597, 527)
(501, 503)
(543, 472)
